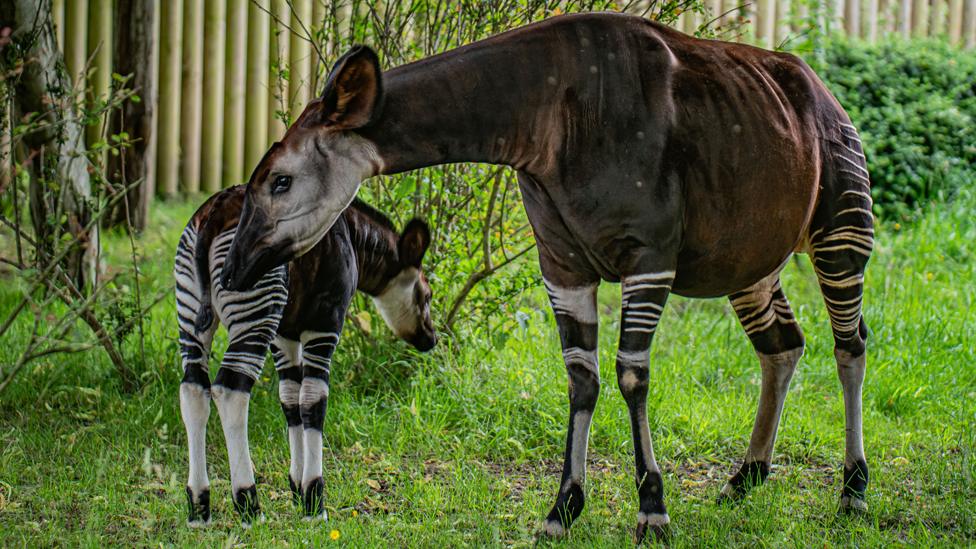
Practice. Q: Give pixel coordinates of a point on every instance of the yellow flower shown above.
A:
(334, 535)
(355, 513)
(897, 226)
(929, 276)
(557, 11)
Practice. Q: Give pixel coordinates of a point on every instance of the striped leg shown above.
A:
(767, 319)
(576, 318)
(288, 363)
(643, 299)
(251, 318)
(841, 244)
(317, 350)
(195, 387)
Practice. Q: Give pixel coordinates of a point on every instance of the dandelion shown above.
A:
(897, 226)
(355, 513)
(334, 535)
(929, 276)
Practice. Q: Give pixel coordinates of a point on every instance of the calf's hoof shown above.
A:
(246, 504)
(553, 529)
(852, 505)
(199, 506)
(312, 502)
(654, 527)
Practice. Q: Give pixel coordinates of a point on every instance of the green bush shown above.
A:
(914, 104)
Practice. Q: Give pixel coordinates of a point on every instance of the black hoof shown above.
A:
(199, 508)
(569, 505)
(654, 528)
(749, 476)
(246, 504)
(296, 492)
(850, 505)
(312, 502)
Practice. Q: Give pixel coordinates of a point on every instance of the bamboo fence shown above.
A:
(223, 98)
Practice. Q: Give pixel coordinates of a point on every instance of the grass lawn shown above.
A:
(462, 446)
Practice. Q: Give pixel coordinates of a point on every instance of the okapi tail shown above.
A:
(201, 257)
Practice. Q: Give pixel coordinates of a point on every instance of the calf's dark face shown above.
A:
(404, 303)
(305, 181)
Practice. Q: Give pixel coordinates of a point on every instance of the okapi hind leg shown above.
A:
(195, 386)
(317, 351)
(195, 412)
(841, 241)
(576, 318)
(643, 299)
(767, 319)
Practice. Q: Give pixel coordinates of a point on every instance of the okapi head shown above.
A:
(305, 181)
(404, 300)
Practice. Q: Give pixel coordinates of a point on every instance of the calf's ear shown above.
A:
(353, 92)
(413, 243)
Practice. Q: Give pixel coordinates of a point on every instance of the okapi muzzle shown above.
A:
(250, 255)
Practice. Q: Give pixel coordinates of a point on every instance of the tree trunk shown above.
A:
(60, 186)
(134, 49)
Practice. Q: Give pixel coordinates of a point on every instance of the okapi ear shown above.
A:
(353, 92)
(414, 242)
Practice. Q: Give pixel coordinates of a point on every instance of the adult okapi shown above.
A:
(645, 157)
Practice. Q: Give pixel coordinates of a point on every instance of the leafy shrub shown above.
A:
(914, 104)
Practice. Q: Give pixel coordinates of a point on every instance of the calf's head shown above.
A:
(404, 302)
(305, 181)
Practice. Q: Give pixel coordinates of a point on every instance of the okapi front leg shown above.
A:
(232, 394)
(767, 319)
(317, 350)
(576, 318)
(644, 296)
(288, 363)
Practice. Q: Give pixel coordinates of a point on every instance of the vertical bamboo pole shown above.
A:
(171, 51)
(214, 38)
(192, 91)
(871, 24)
(783, 17)
(955, 21)
(100, 47)
(969, 23)
(802, 22)
(852, 18)
(256, 115)
(75, 40)
(905, 18)
(278, 98)
(920, 18)
(689, 22)
(57, 12)
(236, 62)
(298, 59)
(318, 24)
(936, 18)
(765, 23)
(836, 20)
(729, 8)
(715, 10)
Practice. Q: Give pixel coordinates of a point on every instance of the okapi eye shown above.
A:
(281, 184)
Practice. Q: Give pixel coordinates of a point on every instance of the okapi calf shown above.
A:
(646, 157)
(298, 309)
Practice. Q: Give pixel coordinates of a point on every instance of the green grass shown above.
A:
(461, 447)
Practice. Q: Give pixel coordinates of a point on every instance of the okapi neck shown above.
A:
(466, 105)
(376, 253)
